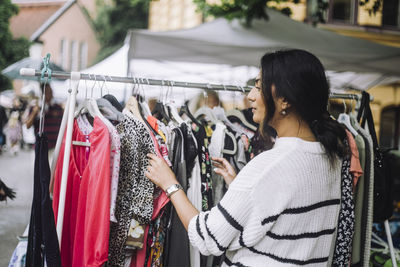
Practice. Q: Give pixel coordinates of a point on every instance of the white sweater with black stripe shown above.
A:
(281, 210)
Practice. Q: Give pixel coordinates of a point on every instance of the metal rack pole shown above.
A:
(136, 80)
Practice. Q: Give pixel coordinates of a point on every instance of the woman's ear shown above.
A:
(284, 103)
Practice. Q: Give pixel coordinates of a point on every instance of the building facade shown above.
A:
(62, 28)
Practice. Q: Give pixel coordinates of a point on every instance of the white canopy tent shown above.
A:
(227, 53)
(117, 65)
(230, 43)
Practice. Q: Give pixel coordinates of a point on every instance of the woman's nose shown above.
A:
(250, 95)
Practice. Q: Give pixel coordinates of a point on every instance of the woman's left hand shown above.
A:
(159, 172)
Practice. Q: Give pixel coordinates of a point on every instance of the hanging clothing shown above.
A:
(355, 166)
(367, 198)
(43, 243)
(215, 149)
(176, 251)
(358, 196)
(85, 234)
(190, 148)
(115, 151)
(345, 229)
(115, 160)
(194, 195)
(152, 252)
(205, 166)
(135, 191)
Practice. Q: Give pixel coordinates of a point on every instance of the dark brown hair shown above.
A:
(299, 77)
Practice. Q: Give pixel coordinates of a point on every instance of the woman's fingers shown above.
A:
(222, 161)
(220, 171)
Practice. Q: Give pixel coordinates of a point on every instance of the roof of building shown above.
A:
(51, 20)
(32, 16)
(37, 2)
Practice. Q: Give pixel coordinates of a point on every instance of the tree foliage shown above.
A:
(244, 10)
(11, 50)
(113, 21)
(247, 10)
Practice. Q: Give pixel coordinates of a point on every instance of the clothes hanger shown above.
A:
(234, 150)
(108, 110)
(344, 119)
(42, 110)
(143, 103)
(173, 110)
(185, 110)
(112, 99)
(159, 111)
(206, 112)
(132, 105)
(219, 113)
(82, 108)
(239, 115)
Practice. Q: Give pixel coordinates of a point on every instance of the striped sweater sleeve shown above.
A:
(234, 222)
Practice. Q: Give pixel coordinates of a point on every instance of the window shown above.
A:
(391, 13)
(74, 56)
(389, 127)
(83, 50)
(63, 54)
(343, 10)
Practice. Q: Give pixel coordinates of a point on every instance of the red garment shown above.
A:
(87, 204)
(153, 122)
(139, 259)
(355, 166)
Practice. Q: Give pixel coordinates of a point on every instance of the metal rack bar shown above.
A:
(137, 80)
(157, 82)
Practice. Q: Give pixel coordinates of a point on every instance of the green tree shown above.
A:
(11, 50)
(113, 22)
(247, 10)
(244, 10)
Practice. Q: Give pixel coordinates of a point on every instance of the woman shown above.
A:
(282, 207)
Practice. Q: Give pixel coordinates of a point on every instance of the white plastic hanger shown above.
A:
(238, 114)
(344, 119)
(132, 106)
(89, 105)
(144, 104)
(219, 113)
(173, 110)
(207, 112)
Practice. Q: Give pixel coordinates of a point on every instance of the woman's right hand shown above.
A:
(224, 169)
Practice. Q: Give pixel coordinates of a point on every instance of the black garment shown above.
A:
(176, 250)
(259, 144)
(3, 122)
(345, 230)
(190, 149)
(113, 102)
(42, 239)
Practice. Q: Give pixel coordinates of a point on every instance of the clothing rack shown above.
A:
(68, 116)
(157, 82)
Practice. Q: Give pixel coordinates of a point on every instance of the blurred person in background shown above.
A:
(209, 98)
(52, 116)
(13, 131)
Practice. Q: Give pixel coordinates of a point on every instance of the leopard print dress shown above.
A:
(135, 191)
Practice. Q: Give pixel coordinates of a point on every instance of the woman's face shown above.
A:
(257, 102)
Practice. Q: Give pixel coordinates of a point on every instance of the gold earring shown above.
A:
(283, 112)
